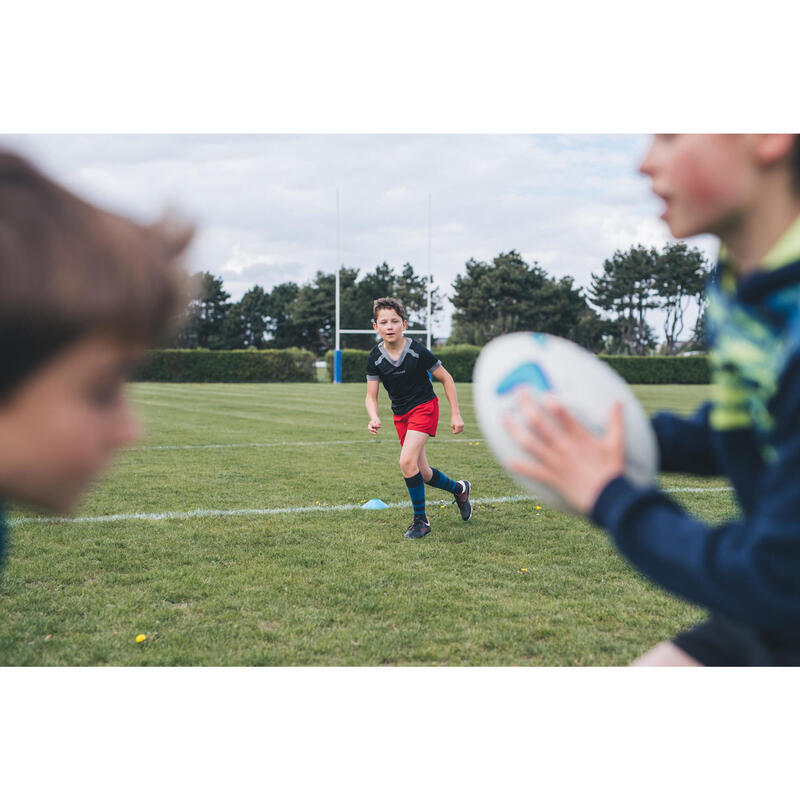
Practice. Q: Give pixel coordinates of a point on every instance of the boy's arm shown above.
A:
(685, 444)
(372, 404)
(441, 374)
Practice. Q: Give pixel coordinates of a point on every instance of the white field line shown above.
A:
(701, 489)
(244, 512)
(257, 512)
(370, 442)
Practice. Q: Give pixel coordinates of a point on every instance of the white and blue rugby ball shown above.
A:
(586, 386)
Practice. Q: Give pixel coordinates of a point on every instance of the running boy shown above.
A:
(403, 366)
(83, 292)
(745, 189)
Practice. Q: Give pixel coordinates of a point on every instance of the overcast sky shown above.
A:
(265, 206)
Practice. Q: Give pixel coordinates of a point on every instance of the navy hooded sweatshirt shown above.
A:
(747, 569)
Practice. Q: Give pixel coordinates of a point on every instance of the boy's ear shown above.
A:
(772, 147)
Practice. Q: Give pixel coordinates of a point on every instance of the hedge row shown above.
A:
(661, 369)
(255, 366)
(227, 366)
(354, 365)
(459, 360)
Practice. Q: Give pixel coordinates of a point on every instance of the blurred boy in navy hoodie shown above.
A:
(745, 189)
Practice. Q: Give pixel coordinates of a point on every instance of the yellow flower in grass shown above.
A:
(524, 569)
(140, 638)
(538, 508)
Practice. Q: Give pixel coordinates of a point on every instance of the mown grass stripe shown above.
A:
(370, 442)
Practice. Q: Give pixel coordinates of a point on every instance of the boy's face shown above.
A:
(390, 325)
(704, 179)
(60, 426)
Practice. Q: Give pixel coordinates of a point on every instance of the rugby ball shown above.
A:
(586, 386)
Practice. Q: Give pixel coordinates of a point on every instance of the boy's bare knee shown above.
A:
(408, 466)
(666, 654)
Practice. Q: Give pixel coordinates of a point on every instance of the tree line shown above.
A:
(292, 315)
(489, 298)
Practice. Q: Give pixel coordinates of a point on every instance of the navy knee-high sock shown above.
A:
(441, 481)
(416, 488)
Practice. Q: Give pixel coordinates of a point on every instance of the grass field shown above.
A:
(324, 586)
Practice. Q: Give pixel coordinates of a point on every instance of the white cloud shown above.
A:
(241, 260)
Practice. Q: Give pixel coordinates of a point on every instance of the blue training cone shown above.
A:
(375, 503)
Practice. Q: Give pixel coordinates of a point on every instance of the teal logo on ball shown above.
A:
(530, 374)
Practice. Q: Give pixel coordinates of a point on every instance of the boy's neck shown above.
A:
(757, 229)
(394, 347)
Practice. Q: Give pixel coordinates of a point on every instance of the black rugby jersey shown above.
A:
(405, 378)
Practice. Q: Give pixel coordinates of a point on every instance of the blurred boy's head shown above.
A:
(710, 182)
(83, 292)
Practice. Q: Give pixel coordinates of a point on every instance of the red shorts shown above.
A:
(424, 418)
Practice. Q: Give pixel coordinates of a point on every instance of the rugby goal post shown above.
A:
(337, 352)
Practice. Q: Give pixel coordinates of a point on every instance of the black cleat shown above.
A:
(462, 501)
(419, 527)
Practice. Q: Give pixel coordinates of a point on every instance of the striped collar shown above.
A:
(784, 252)
(786, 249)
(399, 360)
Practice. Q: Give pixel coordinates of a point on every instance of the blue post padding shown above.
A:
(337, 366)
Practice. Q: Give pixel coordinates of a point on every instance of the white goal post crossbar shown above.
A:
(370, 330)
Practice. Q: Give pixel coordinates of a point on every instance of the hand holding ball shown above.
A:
(555, 417)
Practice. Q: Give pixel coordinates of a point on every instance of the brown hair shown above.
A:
(388, 302)
(69, 269)
(796, 162)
